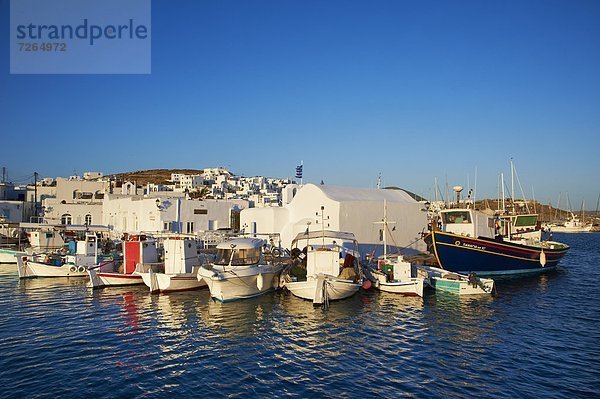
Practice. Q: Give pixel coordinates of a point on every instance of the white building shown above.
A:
(134, 214)
(347, 209)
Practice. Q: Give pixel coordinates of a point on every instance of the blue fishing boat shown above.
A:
(466, 240)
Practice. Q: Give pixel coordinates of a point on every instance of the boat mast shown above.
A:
(512, 185)
(503, 195)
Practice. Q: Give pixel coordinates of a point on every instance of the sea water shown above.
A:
(537, 337)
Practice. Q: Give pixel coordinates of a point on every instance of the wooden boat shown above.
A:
(181, 267)
(392, 273)
(324, 279)
(240, 270)
(50, 265)
(139, 254)
(395, 275)
(470, 241)
(454, 283)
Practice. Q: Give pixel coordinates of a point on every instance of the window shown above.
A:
(200, 211)
(456, 217)
(88, 219)
(166, 226)
(189, 227)
(66, 219)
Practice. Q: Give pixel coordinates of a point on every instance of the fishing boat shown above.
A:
(240, 270)
(471, 241)
(139, 254)
(392, 273)
(181, 267)
(41, 239)
(454, 283)
(317, 274)
(53, 265)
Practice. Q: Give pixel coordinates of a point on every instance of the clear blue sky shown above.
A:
(408, 89)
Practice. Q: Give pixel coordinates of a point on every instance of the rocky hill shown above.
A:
(156, 176)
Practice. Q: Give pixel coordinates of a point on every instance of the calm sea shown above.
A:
(539, 337)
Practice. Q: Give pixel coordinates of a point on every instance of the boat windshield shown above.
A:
(525, 220)
(241, 257)
(456, 217)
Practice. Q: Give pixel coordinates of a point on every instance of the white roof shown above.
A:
(241, 243)
(339, 193)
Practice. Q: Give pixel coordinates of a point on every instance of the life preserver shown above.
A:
(72, 269)
(81, 269)
(275, 252)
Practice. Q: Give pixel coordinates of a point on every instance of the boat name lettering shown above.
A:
(469, 245)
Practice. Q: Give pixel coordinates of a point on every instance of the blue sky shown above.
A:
(408, 89)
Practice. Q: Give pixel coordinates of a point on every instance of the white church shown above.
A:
(354, 210)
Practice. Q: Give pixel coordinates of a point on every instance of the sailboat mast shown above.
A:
(503, 196)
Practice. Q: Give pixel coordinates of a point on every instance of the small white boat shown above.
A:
(395, 276)
(326, 279)
(181, 267)
(455, 283)
(44, 239)
(139, 254)
(240, 270)
(49, 265)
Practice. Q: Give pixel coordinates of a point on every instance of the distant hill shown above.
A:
(416, 197)
(156, 176)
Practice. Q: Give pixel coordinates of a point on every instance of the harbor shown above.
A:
(59, 338)
(299, 199)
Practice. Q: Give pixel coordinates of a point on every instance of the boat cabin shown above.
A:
(138, 249)
(181, 255)
(239, 252)
(466, 222)
(327, 251)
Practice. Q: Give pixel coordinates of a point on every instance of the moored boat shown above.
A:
(392, 273)
(139, 254)
(181, 267)
(53, 265)
(324, 279)
(241, 270)
(470, 241)
(455, 283)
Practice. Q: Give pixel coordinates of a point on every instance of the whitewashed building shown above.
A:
(134, 214)
(347, 209)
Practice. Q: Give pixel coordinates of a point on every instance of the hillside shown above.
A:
(156, 176)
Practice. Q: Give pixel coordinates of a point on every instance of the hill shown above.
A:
(156, 176)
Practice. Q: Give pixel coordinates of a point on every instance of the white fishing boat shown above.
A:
(51, 265)
(392, 273)
(42, 239)
(322, 278)
(395, 276)
(454, 283)
(181, 267)
(573, 225)
(139, 254)
(241, 270)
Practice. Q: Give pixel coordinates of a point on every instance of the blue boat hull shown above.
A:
(489, 257)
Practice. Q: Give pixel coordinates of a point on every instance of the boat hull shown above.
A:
(104, 279)
(225, 286)
(312, 288)
(458, 287)
(29, 269)
(489, 257)
(412, 287)
(161, 282)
